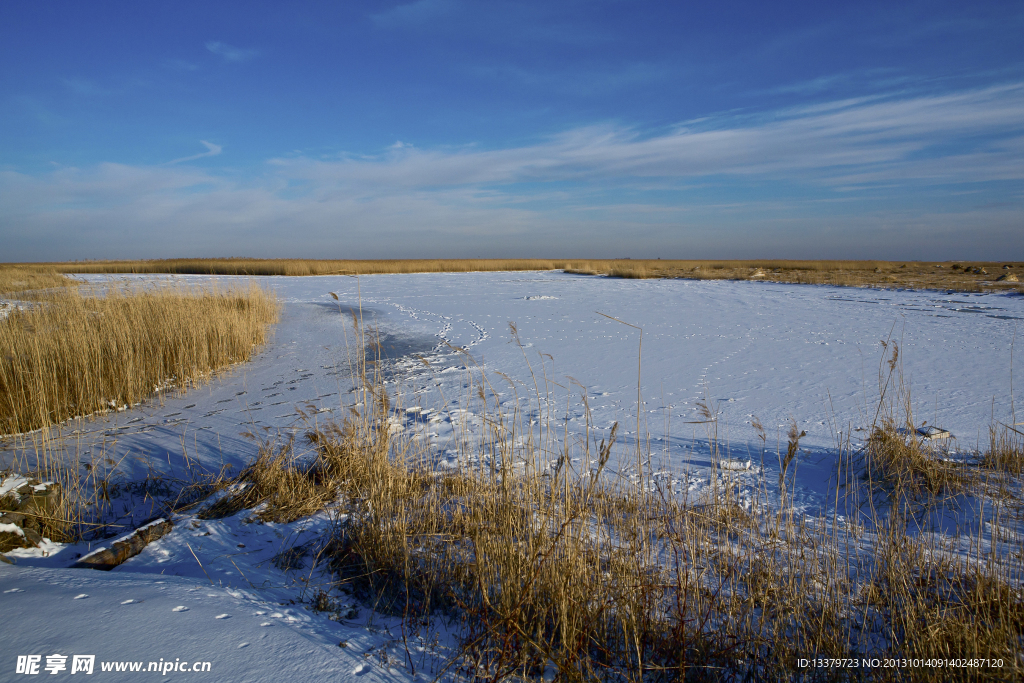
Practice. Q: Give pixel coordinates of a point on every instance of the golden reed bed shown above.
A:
(958, 276)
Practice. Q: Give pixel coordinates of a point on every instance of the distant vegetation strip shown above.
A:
(68, 354)
(959, 276)
(247, 266)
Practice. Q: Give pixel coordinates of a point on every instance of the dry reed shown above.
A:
(562, 570)
(21, 280)
(973, 277)
(69, 354)
(565, 571)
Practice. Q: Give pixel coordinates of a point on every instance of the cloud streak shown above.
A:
(212, 150)
(938, 138)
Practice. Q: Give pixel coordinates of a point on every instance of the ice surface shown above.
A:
(778, 352)
(145, 617)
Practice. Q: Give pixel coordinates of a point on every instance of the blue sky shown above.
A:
(448, 128)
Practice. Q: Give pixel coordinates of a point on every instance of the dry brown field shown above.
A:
(971, 276)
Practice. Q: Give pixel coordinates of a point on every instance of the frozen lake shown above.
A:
(212, 588)
(778, 352)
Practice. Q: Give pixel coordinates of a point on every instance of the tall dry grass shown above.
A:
(556, 568)
(16, 280)
(71, 354)
(1006, 449)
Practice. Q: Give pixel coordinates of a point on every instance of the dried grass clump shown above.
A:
(931, 605)
(904, 465)
(601, 581)
(1006, 450)
(630, 271)
(897, 462)
(282, 486)
(71, 355)
(21, 280)
(525, 563)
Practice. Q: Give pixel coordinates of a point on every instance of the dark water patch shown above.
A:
(855, 301)
(364, 314)
(392, 346)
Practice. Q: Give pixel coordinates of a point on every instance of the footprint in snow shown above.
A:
(80, 596)
(180, 608)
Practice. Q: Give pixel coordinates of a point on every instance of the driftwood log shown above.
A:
(125, 547)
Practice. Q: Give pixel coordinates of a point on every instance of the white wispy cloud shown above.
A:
(212, 150)
(878, 139)
(856, 173)
(230, 53)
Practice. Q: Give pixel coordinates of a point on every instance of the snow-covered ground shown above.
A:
(210, 591)
(777, 352)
